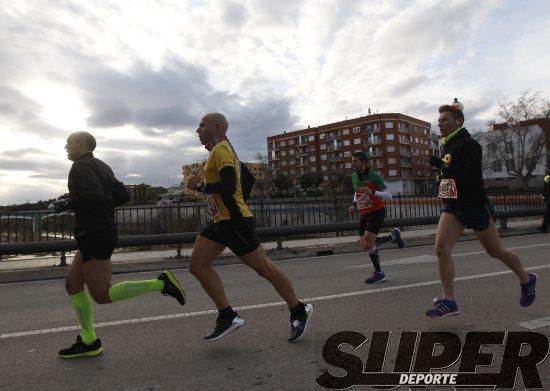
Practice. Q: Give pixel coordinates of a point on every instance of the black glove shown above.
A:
(60, 205)
(436, 162)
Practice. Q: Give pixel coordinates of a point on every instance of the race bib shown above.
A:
(447, 188)
(213, 210)
(363, 200)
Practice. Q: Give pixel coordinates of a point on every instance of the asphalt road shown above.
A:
(152, 343)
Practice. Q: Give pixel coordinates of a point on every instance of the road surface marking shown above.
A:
(536, 323)
(256, 306)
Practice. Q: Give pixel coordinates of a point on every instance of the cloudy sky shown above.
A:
(140, 74)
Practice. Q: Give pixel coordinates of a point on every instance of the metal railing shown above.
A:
(286, 214)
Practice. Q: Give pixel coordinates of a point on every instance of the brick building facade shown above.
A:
(397, 146)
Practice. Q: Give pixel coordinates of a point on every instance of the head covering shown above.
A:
(457, 105)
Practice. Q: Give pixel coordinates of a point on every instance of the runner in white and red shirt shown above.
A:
(370, 193)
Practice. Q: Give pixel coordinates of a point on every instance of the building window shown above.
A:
(323, 157)
(357, 141)
(322, 136)
(291, 152)
(356, 129)
(311, 138)
(347, 153)
(357, 150)
(283, 153)
(292, 172)
(348, 165)
(390, 148)
(283, 143)
(323, 168)
(346, 143)
(312, 158)
(291, 142)
(388, 125)
(313, 169)
(392, 160)
(372, 127)
(497, 166)
(390, 136)
(283, 163)
(392, 172)
(323, 146)
(345, 131)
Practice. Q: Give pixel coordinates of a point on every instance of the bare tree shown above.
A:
(517, 143)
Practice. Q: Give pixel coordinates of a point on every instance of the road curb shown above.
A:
(53, 273)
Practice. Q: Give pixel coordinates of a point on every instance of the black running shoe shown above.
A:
(80, 349)
(172, 287)
(396, 237)
(298, 326)
(223, 327)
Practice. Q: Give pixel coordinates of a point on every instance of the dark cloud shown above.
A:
(233, 15)
(408, 85)
(18, 153)
(16, 106)
(41, 166)
(174, 98)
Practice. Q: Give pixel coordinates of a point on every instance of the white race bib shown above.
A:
(213, 210)
(447, 188)
(363, 200)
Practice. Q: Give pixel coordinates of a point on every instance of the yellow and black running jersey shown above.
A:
(219, 207)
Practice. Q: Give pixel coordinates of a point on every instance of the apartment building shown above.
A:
(259, 170)
(397, 145)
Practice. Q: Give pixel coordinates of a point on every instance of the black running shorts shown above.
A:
(240, 236)
(372, 222)
(98, 245)
(473, 217)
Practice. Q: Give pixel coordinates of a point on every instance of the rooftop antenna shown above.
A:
(369, 111)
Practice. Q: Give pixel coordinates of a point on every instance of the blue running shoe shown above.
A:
(376, 278)
(528, 291)
(396, 237)
(443, 308)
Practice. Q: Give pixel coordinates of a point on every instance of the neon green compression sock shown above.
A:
(82, 305)
(128, 289)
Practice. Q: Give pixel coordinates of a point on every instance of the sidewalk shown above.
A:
(29, 267)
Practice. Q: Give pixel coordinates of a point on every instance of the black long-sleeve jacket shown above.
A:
(464, 165)
(94, 192)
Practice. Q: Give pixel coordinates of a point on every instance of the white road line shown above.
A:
(401, 261)
(536, 323)
(431, 258)
(256, 306)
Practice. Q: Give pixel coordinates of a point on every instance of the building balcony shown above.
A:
(406, 164)
(404, 130)
(405, 141)
(406, 153)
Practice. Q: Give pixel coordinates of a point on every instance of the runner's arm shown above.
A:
(227, 184)
(91, 191)
(471, 171)
(385, 194)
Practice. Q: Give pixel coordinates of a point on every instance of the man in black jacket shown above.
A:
(93, 194)
(546, 199)
(466, 206)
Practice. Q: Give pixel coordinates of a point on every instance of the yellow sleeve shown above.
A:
(223, 157)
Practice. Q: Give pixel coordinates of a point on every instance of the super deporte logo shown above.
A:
(419, 353)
